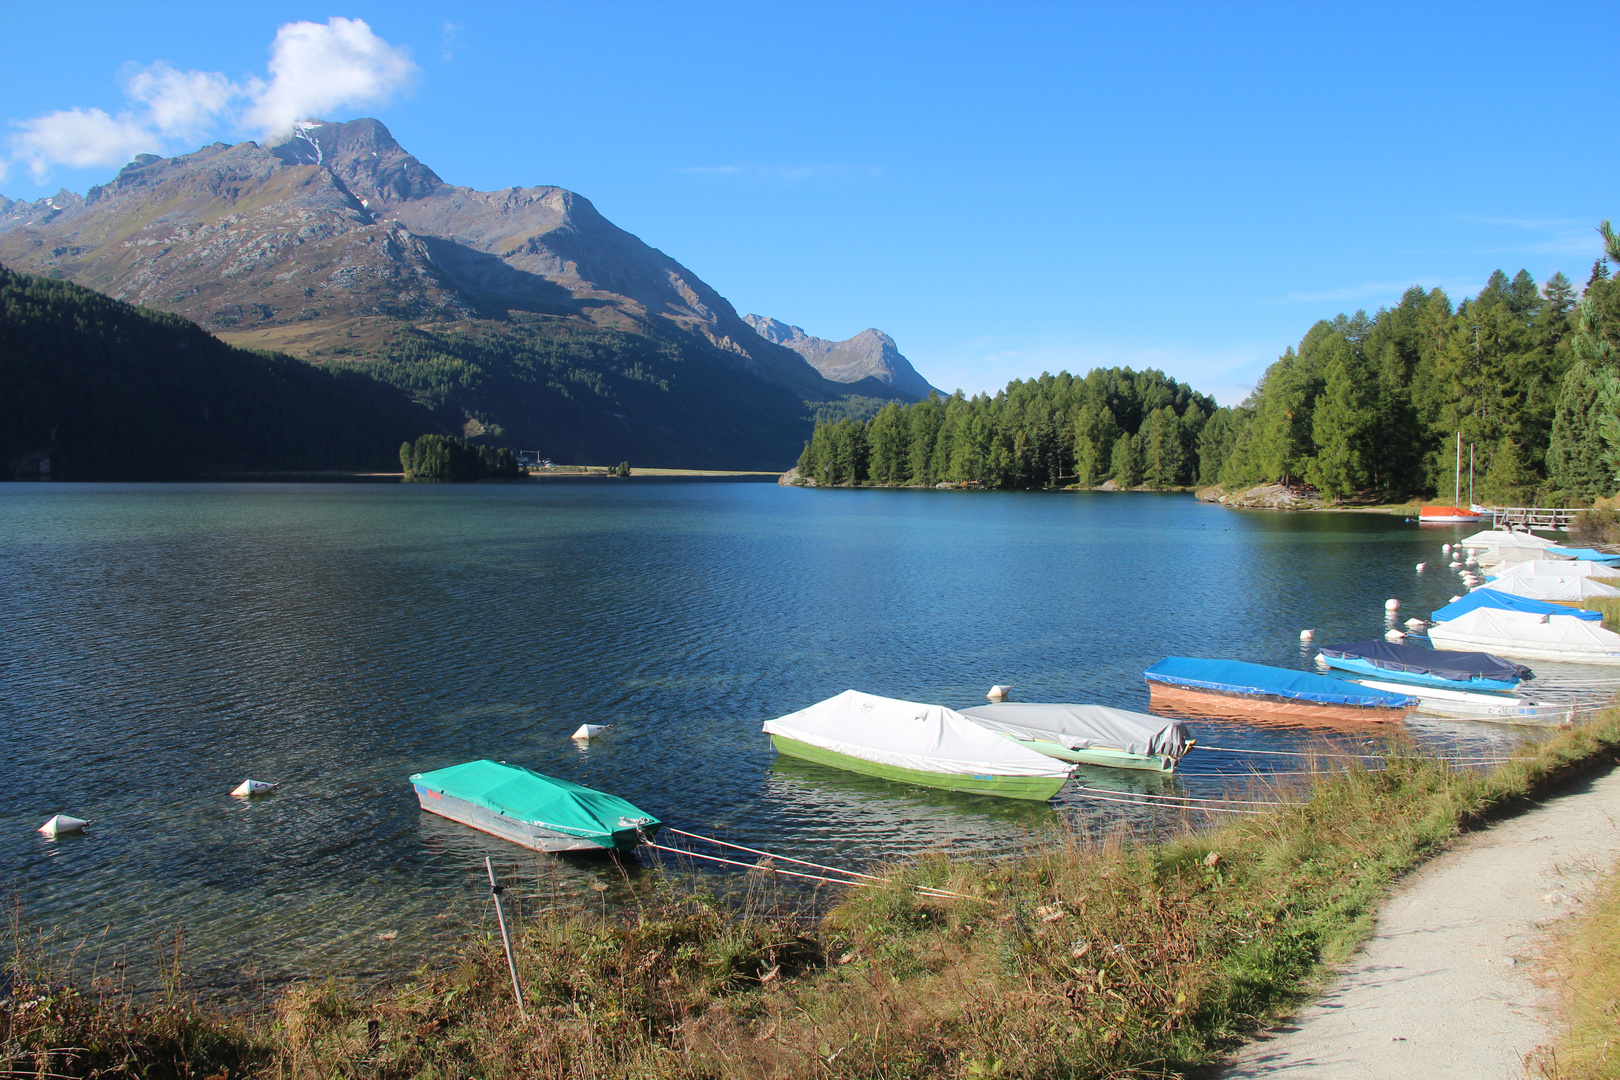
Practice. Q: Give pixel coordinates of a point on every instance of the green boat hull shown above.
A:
(1035, 788)
(1098, 755)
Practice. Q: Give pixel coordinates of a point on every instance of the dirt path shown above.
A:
(1444, 988)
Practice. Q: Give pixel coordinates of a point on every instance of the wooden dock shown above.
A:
(1556, 518)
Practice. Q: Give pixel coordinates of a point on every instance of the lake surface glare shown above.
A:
(164, 642)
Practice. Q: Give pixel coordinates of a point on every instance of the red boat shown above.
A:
(1447, 515)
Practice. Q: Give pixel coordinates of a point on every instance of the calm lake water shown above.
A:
(164, 642)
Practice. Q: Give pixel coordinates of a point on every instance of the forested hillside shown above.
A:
(1365, 406)
(1526, 374)
(100, 388)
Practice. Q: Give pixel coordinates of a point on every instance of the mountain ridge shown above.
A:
(338, 243)
(869, 354)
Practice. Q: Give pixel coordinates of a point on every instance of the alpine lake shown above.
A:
(162, 643)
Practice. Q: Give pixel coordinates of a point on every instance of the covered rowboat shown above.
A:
(529, 808)
(1089, 734)
(1530, 636)
(1492, 598)
(915, 743)
(1444, 669)
(1199, 687)
(1557, 590)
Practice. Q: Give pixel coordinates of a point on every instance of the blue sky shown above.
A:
(1004, 188)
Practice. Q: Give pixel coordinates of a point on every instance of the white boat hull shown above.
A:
(1525, 650)
(1497, 708)
(527, 834)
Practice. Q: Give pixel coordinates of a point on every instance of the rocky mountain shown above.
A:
(870, 354)
(521, 315)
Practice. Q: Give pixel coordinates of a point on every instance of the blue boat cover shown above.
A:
(1493, 598)
(1237, 677)
(1441, 663)
(1608, 558)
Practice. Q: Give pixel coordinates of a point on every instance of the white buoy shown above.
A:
(1415, 623)
(1471, 553)
(1306, 635)
(999, 692)
(1445, 549)
(1392, 604)
(1420, 566)
(589, 731)
(253, 787)
(61, 824)
(1454, 564)
(1322, 662)
(1394, 635)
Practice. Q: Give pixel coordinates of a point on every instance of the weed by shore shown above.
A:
(1587, 963)
(1077, 957)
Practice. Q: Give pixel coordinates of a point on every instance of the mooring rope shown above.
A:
(1180, 798)
(1172, 806)
(873, 883)
(769, 855)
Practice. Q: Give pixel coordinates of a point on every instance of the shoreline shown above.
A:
(1097, 955)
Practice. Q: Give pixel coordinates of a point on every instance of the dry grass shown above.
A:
(1587, 961)
(1079, 957)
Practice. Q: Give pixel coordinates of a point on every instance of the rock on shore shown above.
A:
(1262, 497)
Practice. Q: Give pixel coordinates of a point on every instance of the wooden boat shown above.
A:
(1089, 734)
(912, 743)
(1232, 688)
(1442, 669)
(528, 808)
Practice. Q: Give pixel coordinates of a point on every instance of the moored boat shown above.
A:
(1089, 734)
(1558, 568)
(1447, 515)
(1529, 636)
(1200, 687)
(1558, 590)
(1469, 705)
(1492, 598)
(913, 743)
(1444, 669)
(532, 809)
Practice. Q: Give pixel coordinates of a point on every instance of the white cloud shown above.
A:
(317, 69)
(181, 104)
(314, 70)
(79, 138)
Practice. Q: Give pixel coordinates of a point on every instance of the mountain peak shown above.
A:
(870, 354)
(363, 154)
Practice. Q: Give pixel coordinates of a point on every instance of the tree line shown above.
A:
(1365, 406)
(1114, 424)
(1527, 375)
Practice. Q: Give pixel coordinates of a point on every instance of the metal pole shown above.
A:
(511, 965)
(1456, 491)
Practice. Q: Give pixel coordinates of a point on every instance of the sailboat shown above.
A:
(1454, 514)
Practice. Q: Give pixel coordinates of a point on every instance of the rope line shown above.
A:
(1172, 806)
(872, 884)
(769, 855)
(1181, 798)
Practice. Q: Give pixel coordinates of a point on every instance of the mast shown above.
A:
(1470, 476)
(1456, 491)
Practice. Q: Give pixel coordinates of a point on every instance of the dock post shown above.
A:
(511, 965)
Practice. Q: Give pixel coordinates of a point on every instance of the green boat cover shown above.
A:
(535, 797)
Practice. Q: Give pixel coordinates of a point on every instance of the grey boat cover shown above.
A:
(1080, 727)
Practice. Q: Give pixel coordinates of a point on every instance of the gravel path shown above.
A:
(1445, 987)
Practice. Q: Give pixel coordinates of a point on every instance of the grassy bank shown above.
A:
(1079, 957)
(1587, 964)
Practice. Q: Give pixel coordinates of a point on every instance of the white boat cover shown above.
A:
(1514, 555)
(1558, 568)
(1495, 538)
(1560, 590)
(1523, 633)
(1081, 727)
(909, 735)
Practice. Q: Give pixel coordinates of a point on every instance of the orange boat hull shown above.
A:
(1195, 701)
(1447, 515)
